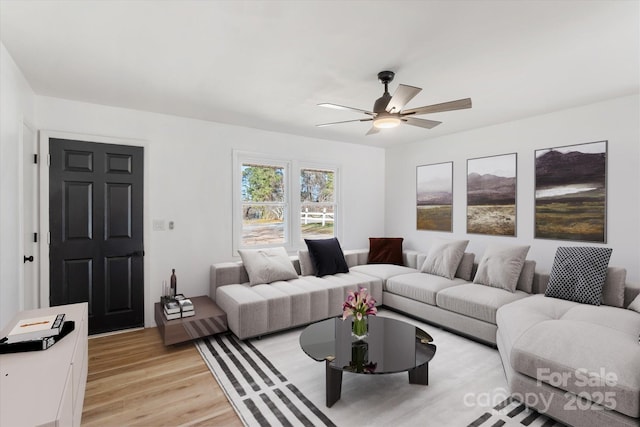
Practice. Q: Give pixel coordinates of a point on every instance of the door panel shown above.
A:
(96, 219)
(78, 216)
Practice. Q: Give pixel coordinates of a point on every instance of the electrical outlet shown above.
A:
(170, 225)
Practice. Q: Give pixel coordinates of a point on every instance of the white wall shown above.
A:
(616, 120)
(17, 104)
(189, 182)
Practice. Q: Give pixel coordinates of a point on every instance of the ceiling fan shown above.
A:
(387, 110)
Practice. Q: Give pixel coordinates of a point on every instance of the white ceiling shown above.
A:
(266, 64)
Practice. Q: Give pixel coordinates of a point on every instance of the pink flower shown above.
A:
(359, 304)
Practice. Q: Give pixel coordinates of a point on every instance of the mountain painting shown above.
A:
(571, 192)
(491, 195)
(434, 197)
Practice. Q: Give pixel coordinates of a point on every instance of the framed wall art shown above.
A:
(491, 195)
(571, 192)
(434, 197)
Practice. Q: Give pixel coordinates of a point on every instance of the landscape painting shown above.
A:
(571, 192)
(491, 195)
(434, 197)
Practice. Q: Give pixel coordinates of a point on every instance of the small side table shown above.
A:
(208, 320)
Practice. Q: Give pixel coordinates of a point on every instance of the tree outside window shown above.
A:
(317, 202)
(264, 206)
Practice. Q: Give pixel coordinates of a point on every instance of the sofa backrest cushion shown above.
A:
(306, 266)
(613, 289)
(525, 281)
(465, 269)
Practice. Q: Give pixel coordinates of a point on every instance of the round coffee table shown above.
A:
(392, 346)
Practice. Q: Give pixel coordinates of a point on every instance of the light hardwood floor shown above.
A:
(134, 380)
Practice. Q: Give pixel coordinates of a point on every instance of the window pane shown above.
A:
(316, 200)
(263, 224)
(316, 186)
(317, 221)
(262, 183)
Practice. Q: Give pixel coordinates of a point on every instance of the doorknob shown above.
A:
(28, 259)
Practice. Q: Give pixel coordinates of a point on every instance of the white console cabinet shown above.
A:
(46, 388)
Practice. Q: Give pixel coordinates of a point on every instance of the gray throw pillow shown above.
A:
(501, 266)
(635, 304)
(444, 257)
(578, 274)
(267, 265)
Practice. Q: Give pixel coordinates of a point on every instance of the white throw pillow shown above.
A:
(267, 265)
(444, 257)
(501, 266)
(635, 304)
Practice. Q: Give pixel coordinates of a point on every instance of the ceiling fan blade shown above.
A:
(459, 104)
(401, 97)
(373, 130)
(346, 121)
(342, 107)
(423, 123)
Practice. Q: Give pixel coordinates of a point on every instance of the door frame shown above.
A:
(43, 147)
(21, 219)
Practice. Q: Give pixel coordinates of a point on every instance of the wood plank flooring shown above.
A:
(134, 380)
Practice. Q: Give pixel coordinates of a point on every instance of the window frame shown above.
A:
(293, 239)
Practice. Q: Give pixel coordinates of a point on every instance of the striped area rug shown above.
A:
(260, 394)
(512, 413)
(271, 382)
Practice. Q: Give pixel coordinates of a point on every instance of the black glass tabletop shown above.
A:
(391, 345)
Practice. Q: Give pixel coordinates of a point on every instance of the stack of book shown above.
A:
(186, 307)
(38, 333)
(172, 310)
(178, 308)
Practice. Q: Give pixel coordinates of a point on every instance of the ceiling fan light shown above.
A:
(386, 122)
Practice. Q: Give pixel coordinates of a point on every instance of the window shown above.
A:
(264, 204)
(317, 203)
(267, 210)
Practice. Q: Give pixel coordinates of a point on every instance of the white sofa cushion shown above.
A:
(420, 286)
(586, 356)
(477, 301)
(383, 271)
(635, 304)
(444, 257)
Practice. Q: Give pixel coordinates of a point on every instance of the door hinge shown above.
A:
(35, 237)
(35, 159)
(48, 238)
(48, 159)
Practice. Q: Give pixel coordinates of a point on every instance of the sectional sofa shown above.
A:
(539, 338)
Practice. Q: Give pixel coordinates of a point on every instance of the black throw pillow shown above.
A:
(326, 256)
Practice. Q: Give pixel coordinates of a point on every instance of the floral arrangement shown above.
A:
(359, 304)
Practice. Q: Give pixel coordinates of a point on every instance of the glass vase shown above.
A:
(359, 329)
